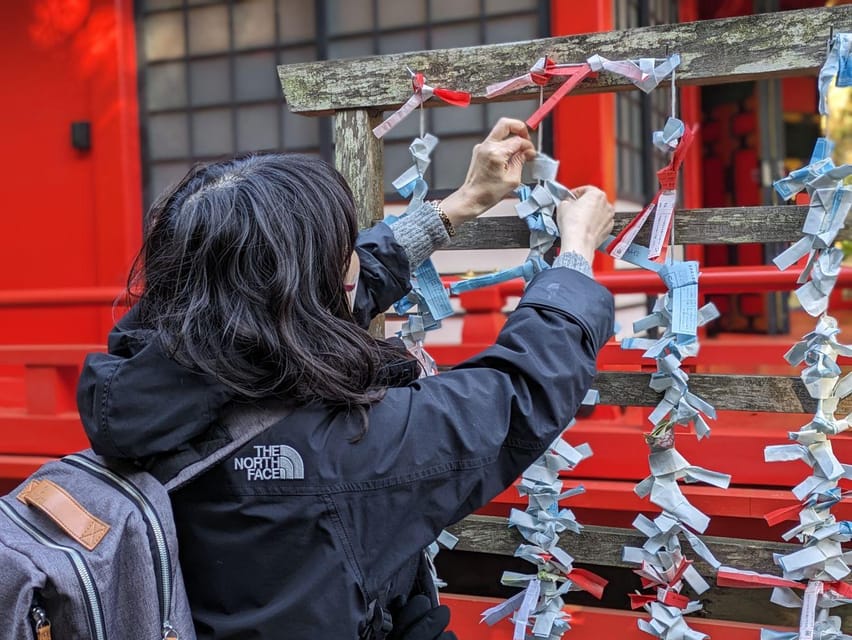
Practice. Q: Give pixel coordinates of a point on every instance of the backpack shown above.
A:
(88, 546)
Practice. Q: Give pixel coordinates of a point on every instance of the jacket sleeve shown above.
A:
(388, 254)
(441, 448)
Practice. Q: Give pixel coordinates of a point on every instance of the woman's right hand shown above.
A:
(586, 222)
(495, 169)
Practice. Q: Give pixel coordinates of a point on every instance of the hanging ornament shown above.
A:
(422, 93)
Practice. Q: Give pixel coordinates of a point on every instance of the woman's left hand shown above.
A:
(495, 170)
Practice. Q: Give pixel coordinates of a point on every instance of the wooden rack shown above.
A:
(756, 47)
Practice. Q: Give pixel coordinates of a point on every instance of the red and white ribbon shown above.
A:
(667, 177)
(422, 92)
(534, 77)
(541, 73)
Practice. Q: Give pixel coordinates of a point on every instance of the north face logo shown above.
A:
(272, 462)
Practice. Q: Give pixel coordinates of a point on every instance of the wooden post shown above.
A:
(358, 157)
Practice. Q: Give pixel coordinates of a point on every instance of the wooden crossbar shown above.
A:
(772, 394)
(728, 225)
(752, 47)
(603, 545)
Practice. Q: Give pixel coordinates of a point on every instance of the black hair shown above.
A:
(241, 274)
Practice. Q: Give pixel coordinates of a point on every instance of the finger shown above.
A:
(521, 157)
(506, 127)
(515, 145)
(586, 188)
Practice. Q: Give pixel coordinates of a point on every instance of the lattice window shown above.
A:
(209, 86)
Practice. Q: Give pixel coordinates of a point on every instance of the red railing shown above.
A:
(713, 280)
(38, 418)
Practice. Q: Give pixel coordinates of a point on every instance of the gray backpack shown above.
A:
(88, 546)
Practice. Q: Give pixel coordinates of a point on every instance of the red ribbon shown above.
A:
(639, 600)
(673, 599)
(783, 514)
(762, 581)
(667, 177)
(747, 581)
(455, 98)
(573, 75)
(588, 582)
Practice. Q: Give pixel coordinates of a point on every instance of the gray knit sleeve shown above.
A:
(573, 260)
(420, 233)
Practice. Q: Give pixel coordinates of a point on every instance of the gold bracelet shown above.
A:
(436, 204)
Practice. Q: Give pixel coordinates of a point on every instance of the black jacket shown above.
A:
(294, 535)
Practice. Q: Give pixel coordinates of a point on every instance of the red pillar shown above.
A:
(584, 126)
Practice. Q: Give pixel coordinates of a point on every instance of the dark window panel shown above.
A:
(408, 128)
(456, 35)
(451, 9)
(459, 120)
(257, 77)
(296, 20)
(349, 16)
(165, 175)
(298, 54)
(300, 131)
(168, 136)
(208, 82)
(507, 6)
(404, 41)
(165, 86)
(257, 127)
(518, 109)
(393, 13)
(350, 47)
(397, 159)
(212, 133)
(450, 161)
(511, 29)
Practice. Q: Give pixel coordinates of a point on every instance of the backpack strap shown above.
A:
(239, 424)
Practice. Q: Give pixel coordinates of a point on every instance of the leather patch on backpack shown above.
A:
(65, 511)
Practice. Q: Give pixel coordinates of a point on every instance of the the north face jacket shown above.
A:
(297, 533)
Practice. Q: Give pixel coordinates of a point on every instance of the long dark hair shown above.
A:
(241, 277)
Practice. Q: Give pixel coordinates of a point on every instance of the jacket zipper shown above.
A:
(160, 549)
(84, 574)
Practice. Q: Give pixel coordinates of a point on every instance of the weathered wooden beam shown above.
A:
(713, 52)
(729, 225)
(603, 545)
(772, 394)
(359, 157)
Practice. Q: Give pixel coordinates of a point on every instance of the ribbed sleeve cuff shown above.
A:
(420, 233)
(573, 260)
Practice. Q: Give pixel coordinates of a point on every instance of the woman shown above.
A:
(317, 525)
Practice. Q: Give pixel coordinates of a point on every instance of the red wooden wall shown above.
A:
(71, 218)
